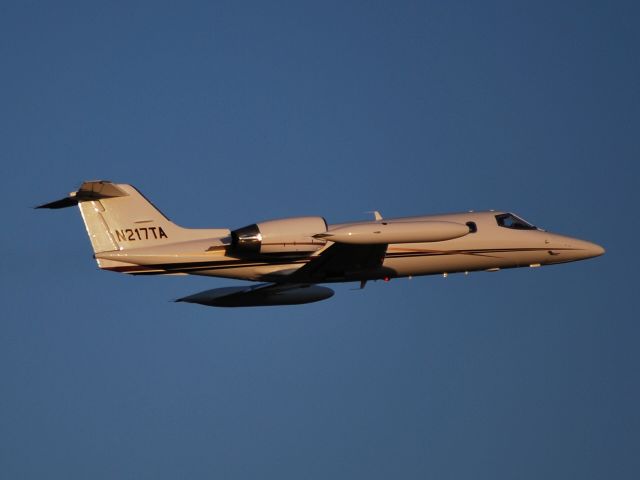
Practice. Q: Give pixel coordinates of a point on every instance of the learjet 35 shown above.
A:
(293, 255)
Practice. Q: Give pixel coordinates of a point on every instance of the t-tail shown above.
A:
(119, 218)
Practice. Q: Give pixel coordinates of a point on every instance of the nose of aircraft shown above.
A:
(580, 249)
(594, 250)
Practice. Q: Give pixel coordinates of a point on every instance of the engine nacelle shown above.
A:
(288, 235)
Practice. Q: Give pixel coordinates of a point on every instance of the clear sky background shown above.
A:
(226, 113)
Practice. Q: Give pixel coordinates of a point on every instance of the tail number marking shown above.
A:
(142, 233)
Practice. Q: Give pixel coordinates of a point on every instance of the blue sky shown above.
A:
(226, 113)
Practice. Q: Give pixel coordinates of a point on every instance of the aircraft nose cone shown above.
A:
(589, 249)
(596, 250)
(572, 249)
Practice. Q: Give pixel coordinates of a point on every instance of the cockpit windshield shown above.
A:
(509, 220)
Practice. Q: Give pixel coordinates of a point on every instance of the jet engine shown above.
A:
(289, 235)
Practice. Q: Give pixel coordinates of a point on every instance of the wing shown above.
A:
(342, 262)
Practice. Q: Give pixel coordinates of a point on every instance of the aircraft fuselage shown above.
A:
(489, 247)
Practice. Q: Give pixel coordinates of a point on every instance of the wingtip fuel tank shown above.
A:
(260, 295)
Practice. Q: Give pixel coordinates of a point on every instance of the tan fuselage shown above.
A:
(489, 247)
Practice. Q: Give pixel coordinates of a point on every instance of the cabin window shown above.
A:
(473, 228)
(509, 220)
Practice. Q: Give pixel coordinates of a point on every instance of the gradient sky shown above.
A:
(226, 113)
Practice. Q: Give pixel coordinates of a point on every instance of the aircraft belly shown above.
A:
(241, 273)
(428, 264)
(253, 272)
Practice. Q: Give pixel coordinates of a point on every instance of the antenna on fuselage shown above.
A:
(376, 215)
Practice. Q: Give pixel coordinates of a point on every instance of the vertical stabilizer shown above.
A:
(128, 221)
(119, 217)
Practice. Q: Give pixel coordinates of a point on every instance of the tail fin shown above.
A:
(118, 217)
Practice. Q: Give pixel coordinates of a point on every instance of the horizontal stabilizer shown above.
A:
(265, 294)
(95, 190)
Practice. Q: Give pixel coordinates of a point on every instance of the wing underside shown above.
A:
(341, 262)
(336, 263)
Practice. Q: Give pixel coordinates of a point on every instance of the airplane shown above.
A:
(292, 256)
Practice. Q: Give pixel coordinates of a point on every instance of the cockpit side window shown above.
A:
(509, 220)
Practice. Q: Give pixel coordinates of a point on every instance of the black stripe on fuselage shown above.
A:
(239, 263)
(485, 252)
(195, 266)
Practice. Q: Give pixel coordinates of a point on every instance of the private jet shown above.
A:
(292, 256)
